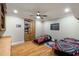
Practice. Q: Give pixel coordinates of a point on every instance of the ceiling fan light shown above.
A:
(38, 13)
(37, 17)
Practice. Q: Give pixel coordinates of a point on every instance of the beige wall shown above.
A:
(39, 28)
(17, 34)
(69, 27)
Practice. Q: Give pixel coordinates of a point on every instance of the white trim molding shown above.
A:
(19, 42)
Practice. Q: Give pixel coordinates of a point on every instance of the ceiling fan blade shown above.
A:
(38, 14)
(43, 15)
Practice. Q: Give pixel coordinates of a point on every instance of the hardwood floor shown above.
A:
(30, 49)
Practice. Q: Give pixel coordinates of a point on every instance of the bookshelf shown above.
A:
(2, 16)
(29, 28)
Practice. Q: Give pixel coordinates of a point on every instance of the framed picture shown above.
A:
(54, 26)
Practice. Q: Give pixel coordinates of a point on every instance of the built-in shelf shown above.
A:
(29, 29)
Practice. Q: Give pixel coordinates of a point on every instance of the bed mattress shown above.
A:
(67, 47)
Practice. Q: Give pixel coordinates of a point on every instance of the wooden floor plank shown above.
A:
(30, 49)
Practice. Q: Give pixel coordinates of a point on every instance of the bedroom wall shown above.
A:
(69, 27)
(39, 28)
(16, 33)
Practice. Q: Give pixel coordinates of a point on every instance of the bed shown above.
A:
(66, 47)
(43, 39)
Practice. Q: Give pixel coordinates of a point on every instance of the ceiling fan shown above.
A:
(39, 16)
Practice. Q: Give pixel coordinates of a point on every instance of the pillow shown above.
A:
(41, 39)
(48, 37)
(54, 45)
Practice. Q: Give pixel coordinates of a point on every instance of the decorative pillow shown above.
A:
(41, 39)
(54, 45)
(48, 37)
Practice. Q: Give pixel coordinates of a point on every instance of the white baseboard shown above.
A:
(19, 42)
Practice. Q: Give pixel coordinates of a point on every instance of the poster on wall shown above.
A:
(54, 26)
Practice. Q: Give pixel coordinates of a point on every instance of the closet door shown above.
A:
(32, 30)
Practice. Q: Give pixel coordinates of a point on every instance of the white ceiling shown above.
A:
(52, 10)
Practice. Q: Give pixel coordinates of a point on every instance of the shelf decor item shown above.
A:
(26, 24)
